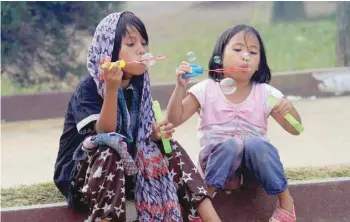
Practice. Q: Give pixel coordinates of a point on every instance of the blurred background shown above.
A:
(44, 44)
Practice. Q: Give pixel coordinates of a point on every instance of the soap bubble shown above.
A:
(148, 59)
(228, 86)
(217, 59)
(191, 56)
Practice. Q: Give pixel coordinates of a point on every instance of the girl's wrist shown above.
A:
(110, 91)
(179, 88)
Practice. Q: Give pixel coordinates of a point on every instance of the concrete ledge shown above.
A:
(319, 83)
(58, 212)
(317, 200)
(34, 106)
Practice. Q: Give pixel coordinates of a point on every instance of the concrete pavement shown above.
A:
(28, 149)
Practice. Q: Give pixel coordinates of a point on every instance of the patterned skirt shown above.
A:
(101, 186)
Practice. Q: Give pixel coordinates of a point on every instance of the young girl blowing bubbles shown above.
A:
(110, 149)
(233, 126)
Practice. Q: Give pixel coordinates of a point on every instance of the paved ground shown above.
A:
(28, 149)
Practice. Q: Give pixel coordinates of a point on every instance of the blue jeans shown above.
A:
(258, 157)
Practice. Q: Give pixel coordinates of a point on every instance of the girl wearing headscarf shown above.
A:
(110, 149)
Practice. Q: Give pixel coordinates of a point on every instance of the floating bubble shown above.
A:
(217, 59)
(148, 59)
(228, 86)
(191, 56)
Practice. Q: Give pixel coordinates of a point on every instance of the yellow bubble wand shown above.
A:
(121, 64)
(147, 59)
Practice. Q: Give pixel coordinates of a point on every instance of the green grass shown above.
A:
(308, 173)
(289, 46)
(26, 195)
(44, 193)
(9, 87)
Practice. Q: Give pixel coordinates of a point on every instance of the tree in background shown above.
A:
(343, 33)
(40, 41)
(288, 11)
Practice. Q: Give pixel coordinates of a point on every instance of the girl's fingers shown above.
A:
(185, 63)
(105, 68)
(168, 127)
(108, 59)
(185, 69)
(167, 136)
(169, 131)
(180, 73)
(281, 109)
(284, 107)
(163, 123)
(277, 106)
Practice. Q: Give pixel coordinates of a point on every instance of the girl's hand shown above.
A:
(162, 130)
(283, 106)
(111, 77)
(182, 69)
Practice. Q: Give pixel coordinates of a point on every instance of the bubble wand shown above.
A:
(300, 128)
(159, 118)
(198, 70)
(147, 59)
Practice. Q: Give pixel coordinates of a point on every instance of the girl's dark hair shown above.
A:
(263, 75)
(127, 19)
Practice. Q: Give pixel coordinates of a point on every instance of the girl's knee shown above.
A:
(257, 146)
(259, 150)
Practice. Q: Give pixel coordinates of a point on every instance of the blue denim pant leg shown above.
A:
(263, 159)
(223, 160)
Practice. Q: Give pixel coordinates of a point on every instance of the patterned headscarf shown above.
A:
(156, 195)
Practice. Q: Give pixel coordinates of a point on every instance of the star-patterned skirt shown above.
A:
(99, 183)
